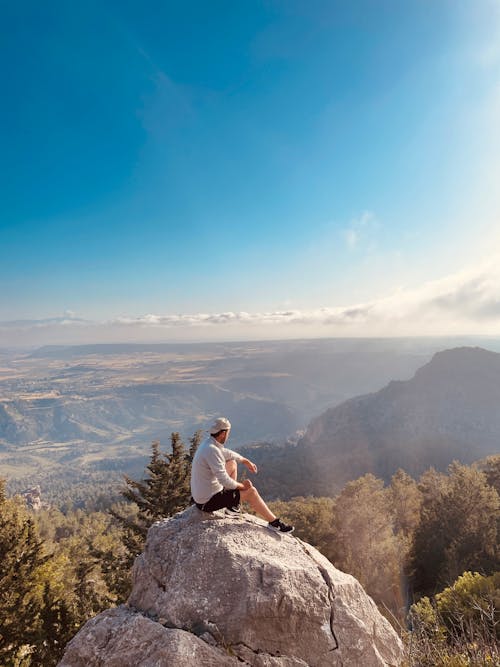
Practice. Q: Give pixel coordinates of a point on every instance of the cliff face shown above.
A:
(448, 411)
(216, 590)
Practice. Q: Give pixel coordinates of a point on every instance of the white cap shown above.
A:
(220, 424)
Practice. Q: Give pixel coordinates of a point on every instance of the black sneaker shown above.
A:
(236, 509)
(280, 527)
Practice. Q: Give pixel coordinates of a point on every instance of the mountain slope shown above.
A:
(448, 410)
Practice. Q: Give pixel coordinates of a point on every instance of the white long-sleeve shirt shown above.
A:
(208, 472)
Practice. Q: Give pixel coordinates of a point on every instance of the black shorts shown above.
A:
(224, 498)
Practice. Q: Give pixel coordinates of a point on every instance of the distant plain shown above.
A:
(95, 409)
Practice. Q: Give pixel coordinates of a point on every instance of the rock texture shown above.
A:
(217, 590)
(123, 638)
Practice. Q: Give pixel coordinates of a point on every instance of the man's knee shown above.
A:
(250, 493)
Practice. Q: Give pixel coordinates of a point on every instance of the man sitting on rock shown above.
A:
(214, 483)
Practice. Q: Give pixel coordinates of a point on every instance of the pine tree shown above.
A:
(405, 503)
(164, 491)
(21, 555)
(458, 528)
(492, 472)
(365, 544)
(57, 627)
(406, 499)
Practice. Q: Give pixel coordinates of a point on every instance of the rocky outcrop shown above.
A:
(121, 637)
(218, 590)
(33, 499)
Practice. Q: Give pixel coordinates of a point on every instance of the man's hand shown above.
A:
(250, 465)
(245, 485)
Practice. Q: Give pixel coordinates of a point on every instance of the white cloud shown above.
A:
(464, 302)
(468, 300)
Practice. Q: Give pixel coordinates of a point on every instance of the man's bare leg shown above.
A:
(251, 496)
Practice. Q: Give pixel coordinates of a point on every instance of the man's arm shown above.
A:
(217, 463)
(249, 464)
(230, 455)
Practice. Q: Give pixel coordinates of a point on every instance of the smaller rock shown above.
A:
(123, 638)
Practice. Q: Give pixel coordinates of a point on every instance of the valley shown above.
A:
(91, 412)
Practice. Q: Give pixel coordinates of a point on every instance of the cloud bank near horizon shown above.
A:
(467, 302)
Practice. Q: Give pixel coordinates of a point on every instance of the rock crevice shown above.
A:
(331, 595)
(216, 590)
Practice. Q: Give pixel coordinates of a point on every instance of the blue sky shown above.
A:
(233, 169)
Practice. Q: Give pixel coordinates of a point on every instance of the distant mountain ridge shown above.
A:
(448, 410)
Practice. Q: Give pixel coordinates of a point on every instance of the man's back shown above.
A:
(208, 472)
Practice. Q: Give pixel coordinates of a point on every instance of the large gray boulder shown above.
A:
(217, 590)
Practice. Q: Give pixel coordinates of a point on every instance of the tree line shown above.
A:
(427, 551)
(416, 546)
